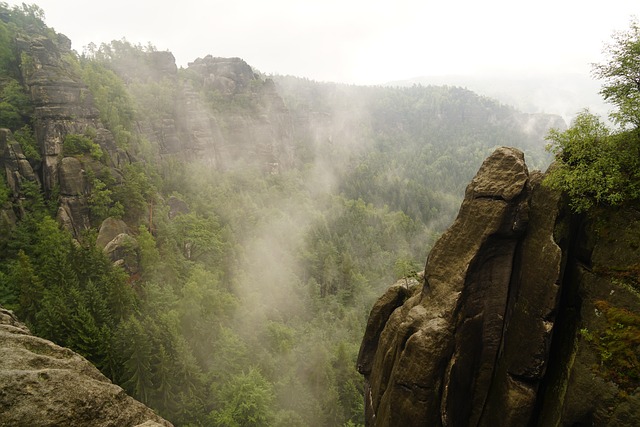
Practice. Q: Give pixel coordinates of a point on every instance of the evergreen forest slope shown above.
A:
(212, 238)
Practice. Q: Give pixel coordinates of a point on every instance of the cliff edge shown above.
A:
(43, 384)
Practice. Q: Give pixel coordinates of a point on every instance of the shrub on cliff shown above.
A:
(75, 144)
(594, 164)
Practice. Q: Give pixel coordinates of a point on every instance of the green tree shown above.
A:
(28, 143)
(199, 237)
(245, 400)
(112, 99)
(29, 287)
(136, 350)
(595, 165)
(405, 268)
(75, 144)
(135, 193)
(101, 204)
(5, 192)
(15, 105)
(587, 164)
(621, 76)
(7, 57)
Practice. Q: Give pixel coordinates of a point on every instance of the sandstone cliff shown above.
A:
(42, 384)
(502, 331)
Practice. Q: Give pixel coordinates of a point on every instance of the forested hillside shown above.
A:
(212, 238)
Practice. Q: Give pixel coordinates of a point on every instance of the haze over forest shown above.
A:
(212, 235)
(536, 57)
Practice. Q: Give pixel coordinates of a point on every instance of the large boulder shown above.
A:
(72, 177)
(109, 230)
(43, 384)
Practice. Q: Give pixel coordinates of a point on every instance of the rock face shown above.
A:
(250, 122)
(42, 384)
(63, 105)
(478, 343)
(223, 114)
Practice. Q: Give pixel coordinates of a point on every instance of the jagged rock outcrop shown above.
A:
(43, 384)
(223, 113)
(249, 114)
(483, 341)
(63, 105)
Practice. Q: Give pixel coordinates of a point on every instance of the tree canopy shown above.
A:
(596, 165)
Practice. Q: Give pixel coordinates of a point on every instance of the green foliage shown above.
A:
(198, 237)
(32, 199)
(67, 292)
(5, 192)
(136, 350)
(75, 145)
(7, 57)
(596, 166)
(617, 345)
(405, 268)
(150, 258)
(621, 76)
(28, 143)
(355, 244)
(112, 99)
(101, 204)
(15, 105)
(135, 193)
(25, 16)
(245, 400)
(29, 287)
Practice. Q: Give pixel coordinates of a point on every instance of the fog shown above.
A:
(361, 42)
(299, 246)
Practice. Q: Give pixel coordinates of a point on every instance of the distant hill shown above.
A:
(564, 94)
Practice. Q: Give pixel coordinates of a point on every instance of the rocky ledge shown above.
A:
(43, 384)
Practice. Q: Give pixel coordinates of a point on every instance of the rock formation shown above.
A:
(42, 384)
(249, 115)
(490, 336)
(222, 114)
(115, 240)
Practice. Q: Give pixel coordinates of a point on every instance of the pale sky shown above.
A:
(358, 41)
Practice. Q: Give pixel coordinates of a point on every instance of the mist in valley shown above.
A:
(266, 213)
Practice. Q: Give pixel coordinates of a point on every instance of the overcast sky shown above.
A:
(358, 41)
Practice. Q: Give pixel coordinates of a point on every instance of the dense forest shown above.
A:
(256, 217)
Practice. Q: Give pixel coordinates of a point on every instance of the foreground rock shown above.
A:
(492, 335)
(42, 384)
